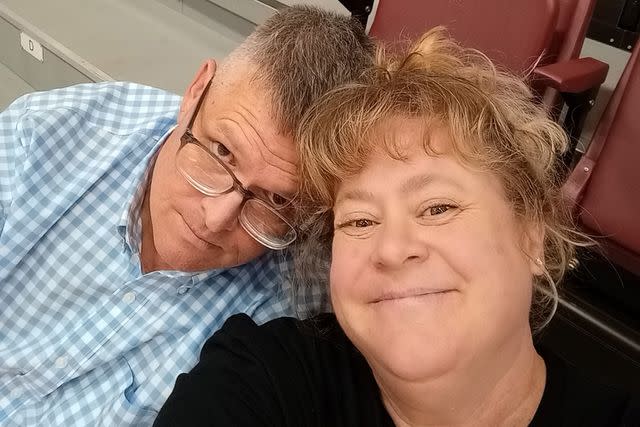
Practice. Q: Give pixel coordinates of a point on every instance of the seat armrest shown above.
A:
(573, 76)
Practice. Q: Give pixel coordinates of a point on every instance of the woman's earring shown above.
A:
(539, 261)
(573, 263)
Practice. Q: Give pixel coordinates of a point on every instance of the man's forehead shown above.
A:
(258, 135)
(264, 156)
(280, 164)
(245, 79)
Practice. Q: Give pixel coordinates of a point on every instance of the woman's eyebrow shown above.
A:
(355, 195)
(419, 182)
(410, 185)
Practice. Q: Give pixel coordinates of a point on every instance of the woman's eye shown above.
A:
(356, 223)
(438, 209)
(360, 227)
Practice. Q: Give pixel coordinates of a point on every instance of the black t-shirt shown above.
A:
(307, 373)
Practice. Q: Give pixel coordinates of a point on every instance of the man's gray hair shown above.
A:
(299, 54)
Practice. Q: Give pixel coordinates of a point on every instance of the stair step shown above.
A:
(142, 41)
(11, 86)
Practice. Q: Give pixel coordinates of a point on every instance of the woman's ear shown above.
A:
(533, 247)
(205, 73)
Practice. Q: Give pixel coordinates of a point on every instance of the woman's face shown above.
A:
(429, 270)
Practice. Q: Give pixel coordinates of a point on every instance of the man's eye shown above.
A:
(278, 201)
(219, 149)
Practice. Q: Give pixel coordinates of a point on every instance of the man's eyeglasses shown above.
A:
(207, 173)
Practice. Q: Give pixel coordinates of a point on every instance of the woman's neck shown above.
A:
(504, 389)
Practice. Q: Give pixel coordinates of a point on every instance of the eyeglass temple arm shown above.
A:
(203, 95)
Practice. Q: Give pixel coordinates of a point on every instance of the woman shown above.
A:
(436, 178)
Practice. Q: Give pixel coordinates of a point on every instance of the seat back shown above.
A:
(571, 29)
(513, 34)
(605, 185)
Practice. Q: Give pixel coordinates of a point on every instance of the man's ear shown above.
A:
(533, 247)
(204, 74)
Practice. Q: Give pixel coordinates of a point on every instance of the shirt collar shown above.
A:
(130, 223)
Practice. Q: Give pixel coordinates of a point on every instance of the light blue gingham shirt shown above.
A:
(85, 338)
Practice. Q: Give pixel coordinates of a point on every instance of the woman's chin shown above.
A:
(411, 357)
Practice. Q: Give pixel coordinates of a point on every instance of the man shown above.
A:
(129, 234)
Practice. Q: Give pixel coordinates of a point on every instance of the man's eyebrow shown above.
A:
(231, 137)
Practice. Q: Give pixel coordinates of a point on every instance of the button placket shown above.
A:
(129, 297)
(61, 362)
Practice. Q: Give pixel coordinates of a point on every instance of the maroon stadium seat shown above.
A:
(604, 187)
(519, 35)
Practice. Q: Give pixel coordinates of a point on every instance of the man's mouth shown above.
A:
(196, 234)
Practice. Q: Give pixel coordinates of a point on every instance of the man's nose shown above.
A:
(221, 212)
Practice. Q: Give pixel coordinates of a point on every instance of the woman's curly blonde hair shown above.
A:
(495, 125)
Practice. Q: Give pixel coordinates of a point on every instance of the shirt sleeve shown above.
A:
(13, 152)
(230, 385)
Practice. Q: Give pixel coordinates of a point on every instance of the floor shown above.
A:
(617, 59)
(11, 86)
(142, 41)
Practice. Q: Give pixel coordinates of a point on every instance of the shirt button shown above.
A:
(129, 297)
(183, 290)
(61, 362)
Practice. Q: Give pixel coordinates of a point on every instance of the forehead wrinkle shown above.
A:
(267, 147)
(281, 163)
(233, 129)
(227, 130)
(264, 143)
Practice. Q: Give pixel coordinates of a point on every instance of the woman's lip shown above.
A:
(391, 296)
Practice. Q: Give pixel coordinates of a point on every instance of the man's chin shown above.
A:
(215, 258)
(191, 258)
(191, 265)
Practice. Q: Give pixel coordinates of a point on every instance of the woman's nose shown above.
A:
(398, 244)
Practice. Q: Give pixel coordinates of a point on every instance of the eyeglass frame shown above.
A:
(188, 138)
